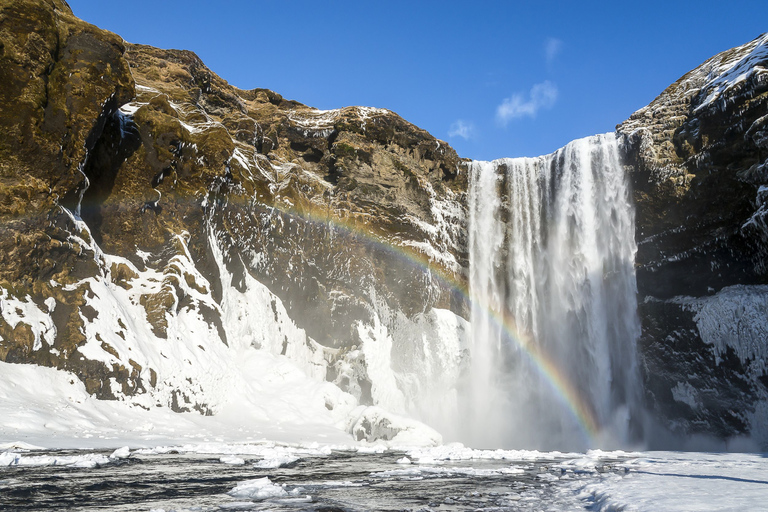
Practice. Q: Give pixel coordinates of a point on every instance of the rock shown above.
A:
(137, 171)
(373, 424)
(697, 165)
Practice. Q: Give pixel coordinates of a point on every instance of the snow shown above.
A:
(264, 380)
(323, 120)
(45, 407)
(375, 424)
(684, 482)
(130, 108)
(15, 311)
(275, 462)
(736, 66)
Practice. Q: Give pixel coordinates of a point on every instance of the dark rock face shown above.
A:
(698, 158)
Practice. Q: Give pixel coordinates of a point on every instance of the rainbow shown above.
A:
(558, 381)
(580, 408)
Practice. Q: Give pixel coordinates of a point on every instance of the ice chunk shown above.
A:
(375, 424)
(258, 489)
(121, 453)
(275, 461)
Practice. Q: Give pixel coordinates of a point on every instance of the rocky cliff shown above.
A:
(153, 217)
(698, 156)
(159, 224)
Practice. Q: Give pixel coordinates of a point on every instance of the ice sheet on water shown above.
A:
(90, 460)
(267, 450)
(457, 451)
(421, 472)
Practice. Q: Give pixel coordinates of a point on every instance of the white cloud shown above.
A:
(552, 48)
(460, 128)
(541, 96)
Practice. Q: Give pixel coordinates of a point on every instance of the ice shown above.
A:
(415, 364)
(277, 461)
(457, 451)
(420, 472)
(231, 459)
(74, 461)
(258, 489)
(683, 392)
(121, 453)
(736, 317)
(681, 482)
(375, 424)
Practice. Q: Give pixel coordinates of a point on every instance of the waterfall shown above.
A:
(554, 322)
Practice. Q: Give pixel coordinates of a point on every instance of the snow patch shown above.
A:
(737, 66)
(26, 312)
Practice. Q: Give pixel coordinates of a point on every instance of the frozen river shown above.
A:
(447, 478)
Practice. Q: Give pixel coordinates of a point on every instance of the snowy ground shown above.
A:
(50, 408)
(44, 410)
(683, 481)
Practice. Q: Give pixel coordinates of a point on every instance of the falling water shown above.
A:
(554, 320)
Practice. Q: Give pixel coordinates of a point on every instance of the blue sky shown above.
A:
(494, 79)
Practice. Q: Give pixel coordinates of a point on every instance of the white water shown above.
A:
(552, 252)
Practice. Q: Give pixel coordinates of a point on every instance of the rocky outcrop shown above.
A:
(698, 155)
(147, 207)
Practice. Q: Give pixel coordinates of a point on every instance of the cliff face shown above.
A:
(158, 225)
(698, 155)
(150, 211)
